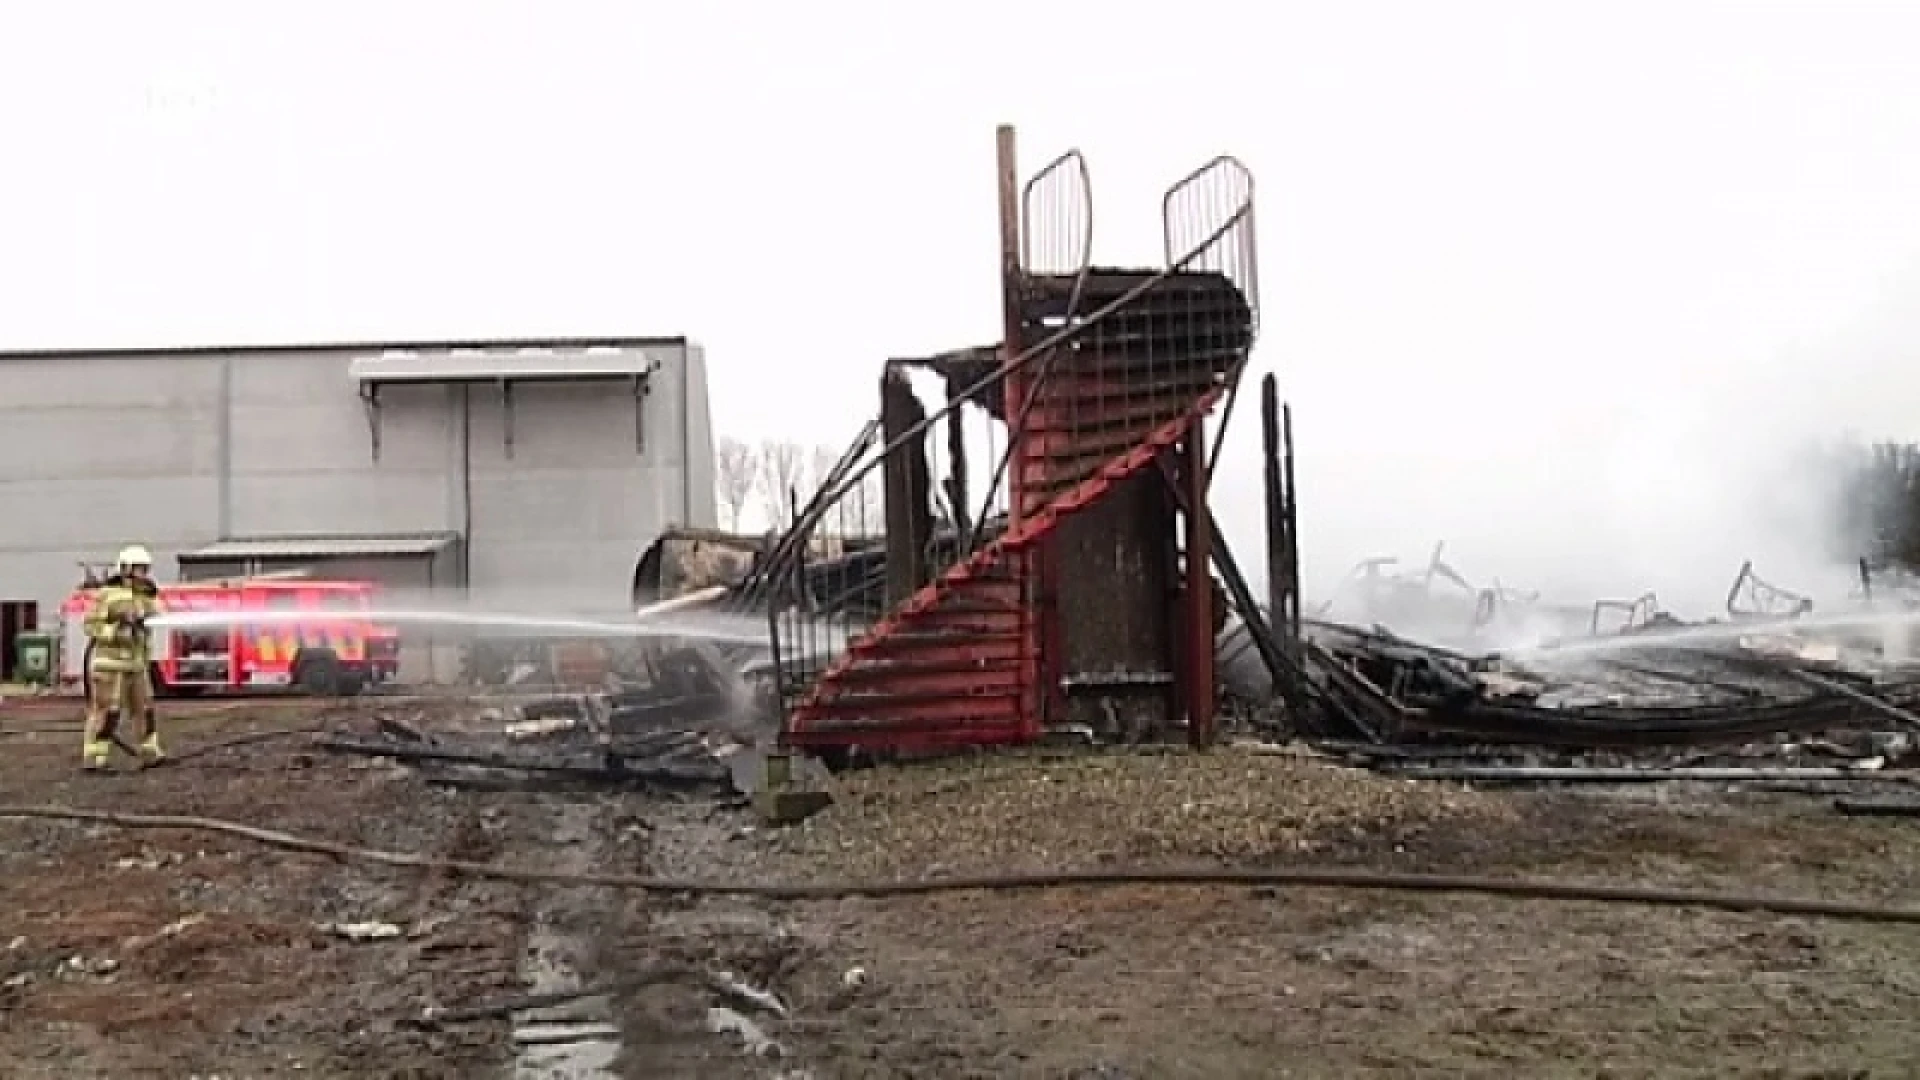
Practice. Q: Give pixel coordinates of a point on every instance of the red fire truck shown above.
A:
(335, 650)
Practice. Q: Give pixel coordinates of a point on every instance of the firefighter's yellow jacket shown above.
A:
(117, 645)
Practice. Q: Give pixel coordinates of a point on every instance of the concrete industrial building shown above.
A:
(518, 471)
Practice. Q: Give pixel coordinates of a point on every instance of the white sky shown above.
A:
(1551, 282)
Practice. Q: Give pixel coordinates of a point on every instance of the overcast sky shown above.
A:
(1555, 283)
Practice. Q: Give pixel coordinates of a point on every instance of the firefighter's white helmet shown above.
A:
(134, 555)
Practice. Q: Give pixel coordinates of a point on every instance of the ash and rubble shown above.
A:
(1774, 690)
(1494, 677)
(674, 717)
(1613, 675)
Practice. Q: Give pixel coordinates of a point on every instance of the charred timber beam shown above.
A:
(1292, 616)
(909, 515)
(1197, 670)
(1684, 678)
(1289, 680)
(964, 368)
(1283, 571)
(1859, 697)
(956, 482)
(1355, 697)
(1487, 722)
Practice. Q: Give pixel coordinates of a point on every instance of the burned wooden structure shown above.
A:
(1087, 599)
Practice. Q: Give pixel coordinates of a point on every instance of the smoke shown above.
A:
(1660, 472)
(1593, 332)
(1672, 502)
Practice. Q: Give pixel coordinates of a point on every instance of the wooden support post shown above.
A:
(1198, 624)
(1275, 506)
(1293, 527)
(959, 498)
(904, 479)
(1008, 177)
(1282, 589)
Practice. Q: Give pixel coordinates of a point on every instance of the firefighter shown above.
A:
(118, 675)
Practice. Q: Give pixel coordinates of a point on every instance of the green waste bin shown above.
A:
(34, 655)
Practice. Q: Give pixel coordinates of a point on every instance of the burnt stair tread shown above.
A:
(874, 667)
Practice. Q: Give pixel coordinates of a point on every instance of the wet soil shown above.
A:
(176, 954)
(1265, 982)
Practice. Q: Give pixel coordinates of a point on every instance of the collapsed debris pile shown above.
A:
(688, 727)
(1622, 675)
(1826, 700)
(1381, 687)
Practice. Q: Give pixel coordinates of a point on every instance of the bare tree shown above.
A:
(783, 468)
(860, 510)
(820, 462)
(736, 471)
(869, 498)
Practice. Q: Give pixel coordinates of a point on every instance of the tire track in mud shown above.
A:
(580, 1039)
(460, 938)
(670, 1033)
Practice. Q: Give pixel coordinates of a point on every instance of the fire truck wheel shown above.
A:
(319, 673)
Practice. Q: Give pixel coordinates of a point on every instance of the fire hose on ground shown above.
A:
(1283, 877)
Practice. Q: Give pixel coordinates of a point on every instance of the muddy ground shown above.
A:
(181, 954)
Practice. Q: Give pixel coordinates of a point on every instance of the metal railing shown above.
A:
(1206, 222)
(825, 583)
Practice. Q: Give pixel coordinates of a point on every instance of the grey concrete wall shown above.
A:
(696, 405)
(176, 451)
(98, 452)
(560, 523)
(303, 453)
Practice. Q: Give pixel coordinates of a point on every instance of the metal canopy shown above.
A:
(276, 548)
(497, 365)
(506, 367)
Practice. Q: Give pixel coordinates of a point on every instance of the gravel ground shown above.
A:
(1054, 811)
(1233, 982)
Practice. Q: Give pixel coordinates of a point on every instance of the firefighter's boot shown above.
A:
(95, 755)
(150, 752)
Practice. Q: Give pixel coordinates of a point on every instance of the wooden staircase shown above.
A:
(958, 663)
